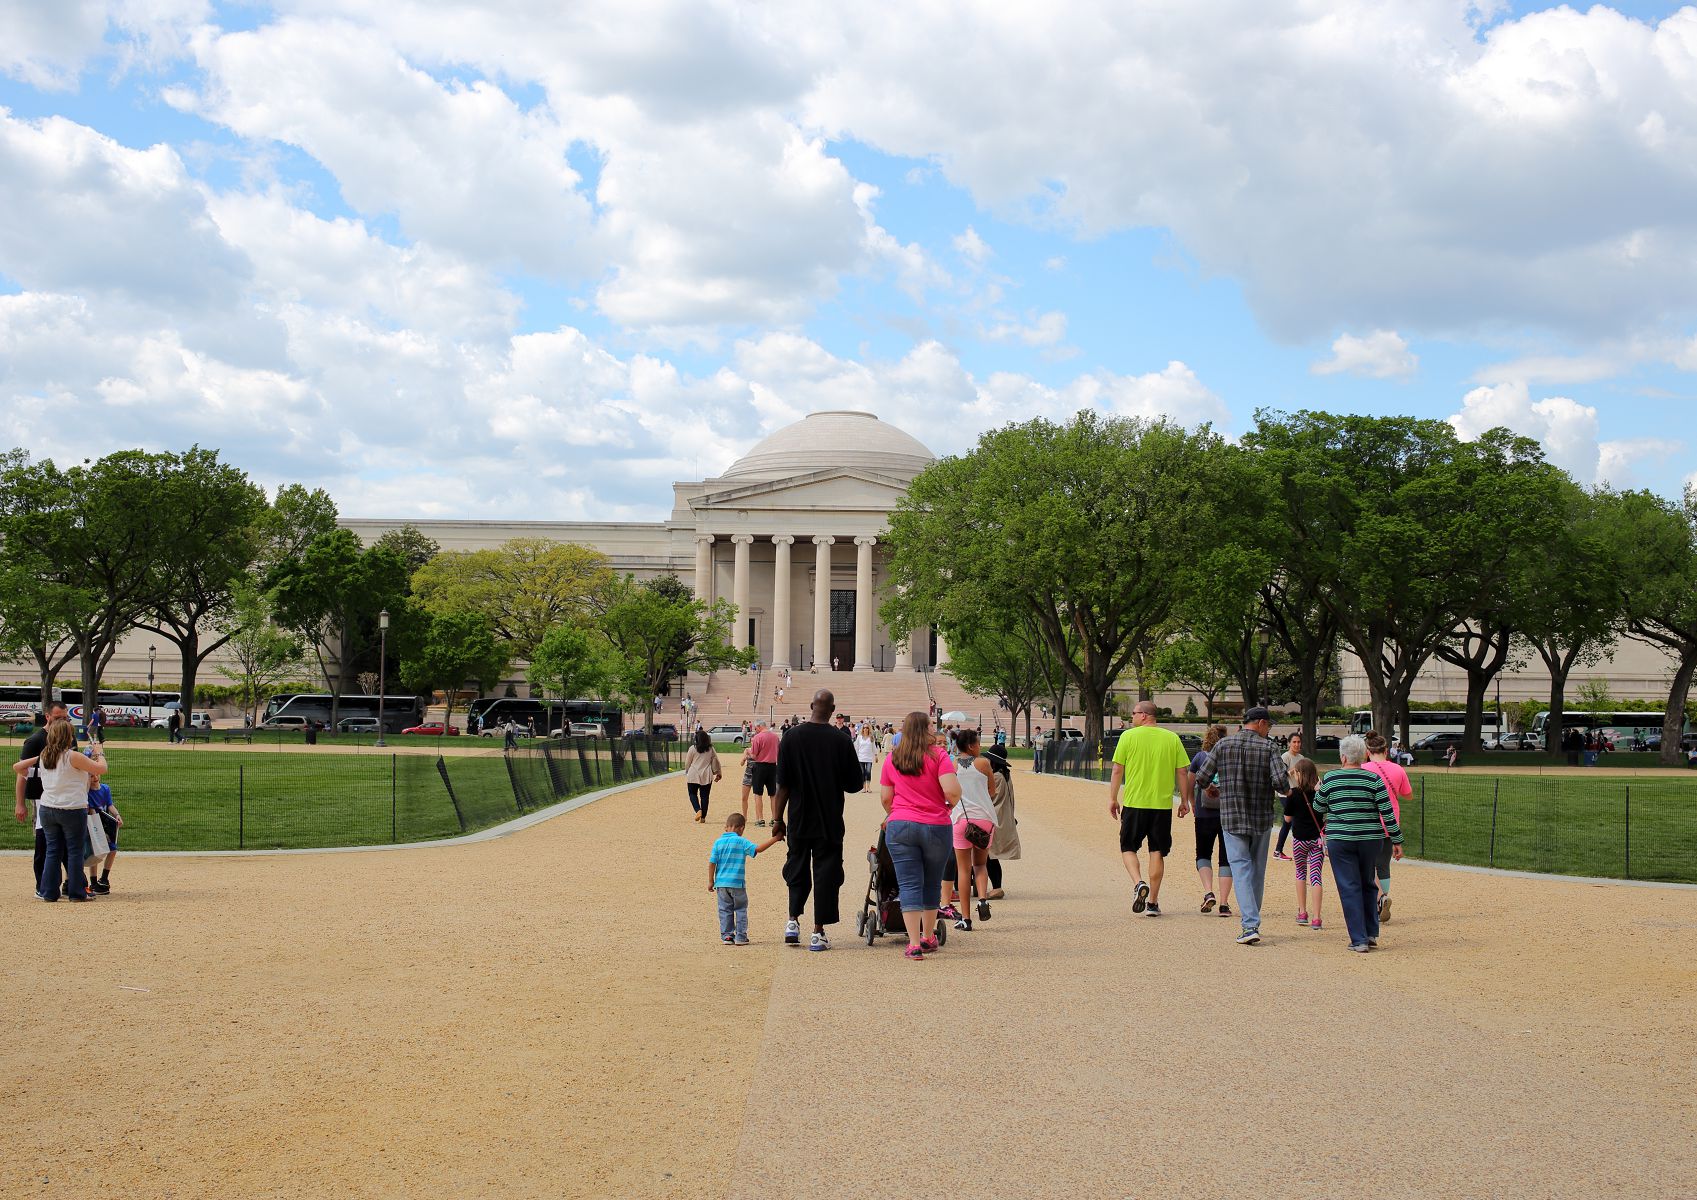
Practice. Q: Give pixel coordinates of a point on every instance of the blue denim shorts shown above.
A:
(920, 853)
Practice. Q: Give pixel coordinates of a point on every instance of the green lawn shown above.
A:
(266, 800)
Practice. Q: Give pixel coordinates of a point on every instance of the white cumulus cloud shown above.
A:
(1382, 354)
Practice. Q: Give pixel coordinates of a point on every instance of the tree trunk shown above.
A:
(1093, 707)
(1555, 725)
(190, 648)
(1478, 683)
(1673, 721)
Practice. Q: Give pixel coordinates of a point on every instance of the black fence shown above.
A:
(246, 800)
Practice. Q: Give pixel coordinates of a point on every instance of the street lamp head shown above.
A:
(383, 619)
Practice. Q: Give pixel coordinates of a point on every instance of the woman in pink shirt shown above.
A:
(1397, 784)
(919, 787)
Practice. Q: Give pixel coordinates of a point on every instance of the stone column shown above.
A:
(781, 603)
(704, 567)
(942, 652)
(904, 655)
(739, 589)
(822, 602)
(863, 603)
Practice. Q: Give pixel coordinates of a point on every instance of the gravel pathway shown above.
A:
(550, 1014)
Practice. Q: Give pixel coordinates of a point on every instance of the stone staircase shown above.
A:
(728, 697)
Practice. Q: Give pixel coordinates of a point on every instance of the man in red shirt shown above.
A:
(760, 773)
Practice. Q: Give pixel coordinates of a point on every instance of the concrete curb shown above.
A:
(464, 839)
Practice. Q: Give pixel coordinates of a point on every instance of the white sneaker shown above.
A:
(819, 942)
(792, 934)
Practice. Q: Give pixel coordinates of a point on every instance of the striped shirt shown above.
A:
(729, 856)
(1356, 807)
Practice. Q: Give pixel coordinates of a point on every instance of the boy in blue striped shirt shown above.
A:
(727, 874)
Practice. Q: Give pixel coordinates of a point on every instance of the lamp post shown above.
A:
(382, 669)
(151, 653)
(880, 656)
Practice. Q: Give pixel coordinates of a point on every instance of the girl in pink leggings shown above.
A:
(1307, 842)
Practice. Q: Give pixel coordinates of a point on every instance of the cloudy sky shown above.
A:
(533, 260)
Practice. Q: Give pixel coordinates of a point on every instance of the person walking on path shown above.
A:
(1308, 844)
(918, 786)
(1354, 806)
(701, 772)
(66, 774)
(1005, 844)
(762, 757)
(1290, 758)
(816, 768)
(1397, 783)
(1208, 835)
(865, 749)
(1150, 764)
(1251, 775)
(727, 875)
(975, 811)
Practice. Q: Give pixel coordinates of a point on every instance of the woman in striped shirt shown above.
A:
(1355, 808)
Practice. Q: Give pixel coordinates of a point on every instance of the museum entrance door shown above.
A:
(842, 629)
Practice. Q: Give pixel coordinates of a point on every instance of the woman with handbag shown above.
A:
(974, 825)
(918, 784)
(65, 773)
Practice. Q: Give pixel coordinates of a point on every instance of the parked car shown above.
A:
(667, 733)
(203, 720)
(122, 720)
(1072, 734)
(1326, 741)
(1438, 741)
(357, 725)
(579, 729)
(1514, 741)
(434, 729)
(727, 733)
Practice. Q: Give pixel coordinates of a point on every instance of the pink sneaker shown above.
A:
(1314, 924)
(1281, 856)
(930, 945)
(915, 953)
(1302, 918)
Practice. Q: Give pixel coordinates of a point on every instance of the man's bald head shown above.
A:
(824, 704)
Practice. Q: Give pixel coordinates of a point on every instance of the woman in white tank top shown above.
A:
(975, 809)
(65, 775)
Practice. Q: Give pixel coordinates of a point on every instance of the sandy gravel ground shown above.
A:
(550, 1014)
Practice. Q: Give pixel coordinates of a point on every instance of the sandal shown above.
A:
(1208, 902)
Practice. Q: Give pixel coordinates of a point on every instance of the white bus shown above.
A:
(1626, 730)
(1422, 721)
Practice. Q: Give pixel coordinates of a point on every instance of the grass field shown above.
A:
(265, 800)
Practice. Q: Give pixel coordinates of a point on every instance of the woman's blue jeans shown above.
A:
(66, 833)
(919, 853)
(1355, 867)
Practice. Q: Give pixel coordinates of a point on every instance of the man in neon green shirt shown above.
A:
(1150, 764)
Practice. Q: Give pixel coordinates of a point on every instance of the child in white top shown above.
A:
(975, 810)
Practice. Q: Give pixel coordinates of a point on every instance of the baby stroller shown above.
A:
(881, 912)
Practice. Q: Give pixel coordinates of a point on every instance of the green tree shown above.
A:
(1185, 662)
(297, 515)
(1091, 529)
(330, 596)
(441, 651)
(1003, 655)
(261, 655)
(410, 542)
(524, 587)
(656, 632)
(572, 663)
(1658, 585)
(213, 514)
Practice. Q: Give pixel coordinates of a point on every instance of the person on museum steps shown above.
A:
(1354, 808)
(918, 787)
(701, 772)
(65, 773)
(816, 767)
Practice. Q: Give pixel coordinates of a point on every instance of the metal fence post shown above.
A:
(1496, 790)
(394, 815)
(1422, 816)
(1629, 831)
(241, 807)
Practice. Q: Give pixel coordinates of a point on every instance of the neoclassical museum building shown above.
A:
(790, 534)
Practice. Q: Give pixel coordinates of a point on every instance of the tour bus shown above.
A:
(121, 707)
(1424, 721)
(295, 709)
(1626, 729)
(20, 703)
(487, 715)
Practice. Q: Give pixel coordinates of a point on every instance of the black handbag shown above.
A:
(976, 836)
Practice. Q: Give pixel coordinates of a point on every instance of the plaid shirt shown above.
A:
(1249, 771)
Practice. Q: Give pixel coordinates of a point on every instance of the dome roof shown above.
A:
(827, 440)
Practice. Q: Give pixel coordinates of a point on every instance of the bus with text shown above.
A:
(488, 715)
(1627, 730)
(1423, 721)
(122, 707)
(294, 710)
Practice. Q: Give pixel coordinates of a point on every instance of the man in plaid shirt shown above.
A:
(1250, 775)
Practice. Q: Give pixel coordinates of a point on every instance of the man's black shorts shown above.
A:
(765, 779)
(1153, 824)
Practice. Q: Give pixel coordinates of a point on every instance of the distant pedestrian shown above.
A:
(174, 726)
(97, 724)
(701, 772)
(762, 755)
(816, 767)
(1355, 808)
(1400, 788)
(727, 874)
(1150, 766)
(865, 750)
(1250, 776)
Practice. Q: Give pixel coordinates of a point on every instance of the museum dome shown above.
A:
(828, 440)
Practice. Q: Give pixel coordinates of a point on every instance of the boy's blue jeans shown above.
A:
(733, 913)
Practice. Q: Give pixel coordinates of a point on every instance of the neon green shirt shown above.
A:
(1150, 756)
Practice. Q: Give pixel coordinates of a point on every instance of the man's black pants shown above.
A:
(816, 865)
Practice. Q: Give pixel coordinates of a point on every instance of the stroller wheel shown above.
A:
(860, 924)
(942, 932)
(871, 932)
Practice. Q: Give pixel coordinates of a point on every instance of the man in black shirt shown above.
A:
(30, 789)
(816, 767)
